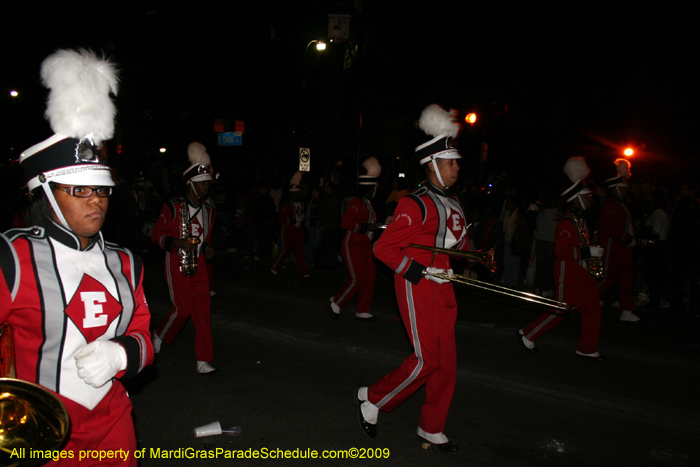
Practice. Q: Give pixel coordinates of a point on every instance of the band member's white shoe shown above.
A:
(629, 316)
(156, 342)
(204, 368)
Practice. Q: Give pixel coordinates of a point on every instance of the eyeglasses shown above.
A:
(86, 191)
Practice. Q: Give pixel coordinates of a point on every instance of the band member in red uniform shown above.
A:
(617, 237)
(189, 293)
(360, 223)
(431, 216)
(575, 261)
(292, 215)
(73, 302)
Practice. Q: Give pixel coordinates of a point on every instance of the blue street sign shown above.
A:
(229, 139)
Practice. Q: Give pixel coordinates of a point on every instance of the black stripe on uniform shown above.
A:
(9, 264)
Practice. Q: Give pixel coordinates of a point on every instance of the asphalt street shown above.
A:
(288, 373)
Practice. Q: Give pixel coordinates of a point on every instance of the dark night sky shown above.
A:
(575, 79)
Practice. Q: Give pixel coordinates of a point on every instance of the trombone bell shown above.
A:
(30, 416)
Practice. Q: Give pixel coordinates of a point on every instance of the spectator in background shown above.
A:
(329, 223)
(515, 243)
(263, 218)
(655, 257)
(545, 236)
(313, 230)
(684, 234)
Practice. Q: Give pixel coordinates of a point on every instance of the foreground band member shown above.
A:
(191, 216)
(617, 236)
(575, 261)
(75, 303)
(433, 217)
(360, 222)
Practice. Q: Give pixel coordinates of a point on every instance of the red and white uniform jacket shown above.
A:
(167, 228)
(57, 299)
(427, 218)
(570, 268)
(616, 232)
(357, 215)
(292, 213)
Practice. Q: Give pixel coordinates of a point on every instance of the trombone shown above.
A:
(486, 258)
(30, 416)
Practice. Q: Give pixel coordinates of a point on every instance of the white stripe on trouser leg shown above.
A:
(416, 345)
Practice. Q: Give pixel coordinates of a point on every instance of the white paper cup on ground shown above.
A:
(210, 429)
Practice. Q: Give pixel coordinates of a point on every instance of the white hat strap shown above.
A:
(54, 205)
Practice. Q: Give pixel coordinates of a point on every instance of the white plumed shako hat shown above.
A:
(577, 171)
(81, 114)
(374, 170)
(443, 127)
(623, 167)
(200, 169)
(295, 182)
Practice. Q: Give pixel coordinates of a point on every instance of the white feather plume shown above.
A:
(372, 166)
(79, 103)
(577, 169)
(296, 179)
(197, 154)
(623, 167)
(436, 121)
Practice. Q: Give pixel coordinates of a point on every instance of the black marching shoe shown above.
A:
(595, 358)
(369, 429)
(334, 316)
(447, 447)
(369, 319)
(522, 344)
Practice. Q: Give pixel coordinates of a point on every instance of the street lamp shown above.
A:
(470, 118)
(320, 45)
(628, 152)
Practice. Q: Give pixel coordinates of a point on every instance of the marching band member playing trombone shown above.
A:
(431, 216)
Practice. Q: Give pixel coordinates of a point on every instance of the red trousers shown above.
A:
(618, 270)
(191, 298)
(583, 296)
(359, 261)
(292, 239)
(108, 428)
(429, 313)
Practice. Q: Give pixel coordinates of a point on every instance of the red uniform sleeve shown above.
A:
(614, 223)
(9, 276)
(400, 233)
(211, 227)
(353, 219)
(567, 246)
(165, 230)
(137, 339)
(285, 213)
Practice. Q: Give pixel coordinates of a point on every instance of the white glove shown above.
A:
(99, 361)
(596, 251)
(428, 274)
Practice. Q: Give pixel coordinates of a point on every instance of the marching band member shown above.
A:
(617, 237)
(292, 215)
(74, 302)
(431, 216)
(576, 261)
(191, 216)
(360, 223)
